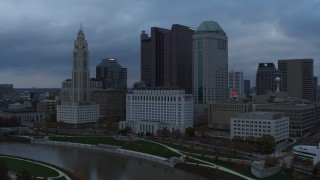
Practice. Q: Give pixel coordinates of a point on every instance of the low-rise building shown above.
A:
(303, 117)
(150, 110)
(26, 116)
(256, 124)
(78, 113)
(310, 154)
(219, 114)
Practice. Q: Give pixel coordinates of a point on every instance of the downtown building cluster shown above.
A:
(185, 82)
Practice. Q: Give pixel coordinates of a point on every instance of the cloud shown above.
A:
(37, 36)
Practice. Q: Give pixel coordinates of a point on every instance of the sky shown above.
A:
(37, 36)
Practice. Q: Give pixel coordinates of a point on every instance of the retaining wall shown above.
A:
(114, 149)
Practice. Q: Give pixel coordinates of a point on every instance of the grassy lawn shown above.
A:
(139, 146)
(17, 165)
(198, 151)
(245, 170)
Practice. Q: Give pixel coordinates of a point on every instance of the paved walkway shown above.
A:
(61, 174)
(207, 164)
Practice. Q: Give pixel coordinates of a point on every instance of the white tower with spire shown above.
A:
(80, 70)
(76, 106)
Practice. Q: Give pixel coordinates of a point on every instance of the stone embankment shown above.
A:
(113, 149)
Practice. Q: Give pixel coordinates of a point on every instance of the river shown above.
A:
(96, 165)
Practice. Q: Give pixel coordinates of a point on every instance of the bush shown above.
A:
(270, 161)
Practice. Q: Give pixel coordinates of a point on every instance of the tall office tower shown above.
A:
(297, 77)
(247, 88)
(76, 106)
(210, 64)
(236, 85)
(112, 75)
(315, 88)
(160, 57)
(145, 55)
(181, 56)
(166, 57)
(265, 78)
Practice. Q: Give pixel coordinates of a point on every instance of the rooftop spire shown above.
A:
(81, 27)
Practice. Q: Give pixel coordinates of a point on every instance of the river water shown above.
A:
(96, 165)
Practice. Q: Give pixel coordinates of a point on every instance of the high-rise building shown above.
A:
(145, 55)
(265, 78)
(236, 85)
(315, 88)
(112, 75)
(247, 88)
(112, 104)
(210, 64)
(76, 105)
(181, 56)
(297, 78)
(160, 57)
(166, 57)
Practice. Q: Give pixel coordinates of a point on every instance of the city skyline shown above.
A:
(36, 40)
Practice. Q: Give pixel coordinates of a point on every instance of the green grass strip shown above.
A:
(139, 146)
(37, 170)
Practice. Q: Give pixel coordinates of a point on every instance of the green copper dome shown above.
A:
(209, 26)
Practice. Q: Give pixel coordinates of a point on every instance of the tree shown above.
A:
(270, 161)
(190, 131)
(4, 171)
(177, 133)
(24, 175)
(126, 145)
(154, 149)
(140, 147)
(266, 143)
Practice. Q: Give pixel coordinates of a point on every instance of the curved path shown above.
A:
(61, 174)
(207, 164)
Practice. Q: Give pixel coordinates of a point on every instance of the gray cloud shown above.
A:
(36, 37)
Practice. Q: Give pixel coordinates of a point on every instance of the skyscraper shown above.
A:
(145, 55)
(297, 78)
(160, 57)
(80, 71)
(236, 84)
(76, 106)
(112, 75)
(265, 78)
(181, 56)
(166, 57)
(247, 88)
(210, 63)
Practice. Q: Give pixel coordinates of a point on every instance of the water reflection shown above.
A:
(96, 165)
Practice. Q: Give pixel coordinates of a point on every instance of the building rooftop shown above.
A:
(308, 149)
(260, 115)
(210, 26)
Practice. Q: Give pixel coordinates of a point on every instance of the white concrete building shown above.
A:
(257, 124)
(75, 113)
(307, 153)
(76, 106)
(149, 110)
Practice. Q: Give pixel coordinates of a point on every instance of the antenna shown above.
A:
(81, 27)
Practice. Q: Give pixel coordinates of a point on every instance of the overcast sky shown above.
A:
(36, 36)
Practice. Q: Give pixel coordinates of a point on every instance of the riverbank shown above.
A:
(38, 169)
(171, 162)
